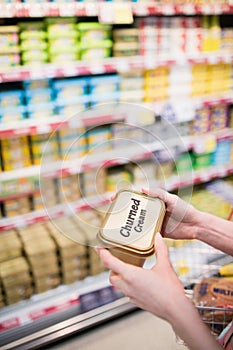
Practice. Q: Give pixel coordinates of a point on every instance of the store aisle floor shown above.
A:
(136, 331)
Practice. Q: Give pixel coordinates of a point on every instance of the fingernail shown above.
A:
(97, 249)
(145, 190)
(158, 236)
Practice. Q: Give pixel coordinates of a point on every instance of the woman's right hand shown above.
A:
(181, 218)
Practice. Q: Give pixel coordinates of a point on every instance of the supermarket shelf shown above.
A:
(185, 9)
(107, 159)
(19, 195)
(57, 313)
(52, 124)
(108, 65)
(137, 152)
(93, 9)
(30, 127)
(49, 125)
(175, 182)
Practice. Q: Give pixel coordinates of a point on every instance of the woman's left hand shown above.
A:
(152, 289)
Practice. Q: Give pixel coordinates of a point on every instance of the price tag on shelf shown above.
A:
(95, 299)
(188, 9)
(36, 10)
(168, 9)
(150, 62)
(213, 59)
(91, 9)
(115, 13)
(9, 324)
(97, 68)
(141, 10)
(122, 65)
(44, 129)
(207, 9)
(67, 9)
(106, 13)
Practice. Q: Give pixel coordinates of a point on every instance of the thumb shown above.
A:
(161, 250)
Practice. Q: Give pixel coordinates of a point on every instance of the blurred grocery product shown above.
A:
(94, 41)
(9, 46)
(62, 40)
(16, 280)
(72, 256)
(33, 43)
(15, 153)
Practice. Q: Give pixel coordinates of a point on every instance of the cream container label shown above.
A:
(132, 220)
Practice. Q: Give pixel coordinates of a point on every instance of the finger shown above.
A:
(158, 192)
(119, 283)
(111, 262)
(113, 197)
(161, 250)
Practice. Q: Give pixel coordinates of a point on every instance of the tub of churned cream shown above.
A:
(130, 225)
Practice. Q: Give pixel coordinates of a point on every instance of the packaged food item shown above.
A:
(125, 49)
(15, 153)
(12, 98)
(10, 115)
(72, 143)
(93, 182)
(10, 245)
(35, 84)
(214, 296)
(40, 250)
(9, 38)
(130, 225)
(44, 146)
(69, 89)
(33, 43)
(16, 280)
(95, 50)
(117, 178)
(38, 96)
(9, 60)
(72, 255)
(62, 39)
(93, 31)
(106, 84)
(40, 110)
(20, 206)
(68, 188)
(88, 222)
(126, 35)
(71, 96)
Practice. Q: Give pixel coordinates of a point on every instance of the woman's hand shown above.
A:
(153, 290)
(181, 219)
(160, 292)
